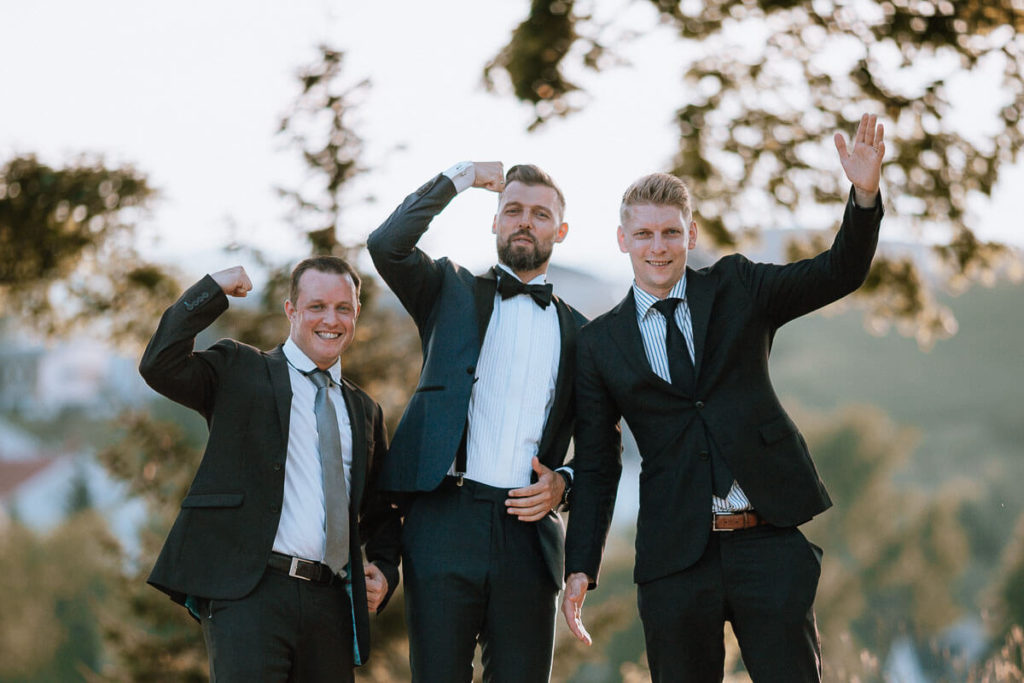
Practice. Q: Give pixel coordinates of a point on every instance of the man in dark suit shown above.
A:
(266, 550)
(726, 477)
(477, 448)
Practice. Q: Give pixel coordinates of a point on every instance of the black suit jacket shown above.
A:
(736, 307)
(221, 540)
(451, 308)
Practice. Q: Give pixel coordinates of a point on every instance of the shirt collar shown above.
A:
(301, 362)
(645, 300)
(539, 280)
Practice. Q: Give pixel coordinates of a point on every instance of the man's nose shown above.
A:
(658, 242)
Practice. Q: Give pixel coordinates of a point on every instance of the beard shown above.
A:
(521, 258)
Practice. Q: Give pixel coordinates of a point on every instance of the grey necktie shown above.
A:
(332, 464)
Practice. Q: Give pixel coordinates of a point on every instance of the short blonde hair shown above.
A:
(659, 189)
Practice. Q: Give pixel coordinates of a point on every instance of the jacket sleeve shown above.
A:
(170, 364)
(597, 465)
(380, 524)
(412, 275)
(788, 291)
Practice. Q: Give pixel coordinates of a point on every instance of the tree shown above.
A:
(770, 81)
(66, 255)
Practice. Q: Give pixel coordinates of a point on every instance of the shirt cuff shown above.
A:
(864, 200)
(568, 471)
(462, 175)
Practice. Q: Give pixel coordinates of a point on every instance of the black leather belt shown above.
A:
(298, 568)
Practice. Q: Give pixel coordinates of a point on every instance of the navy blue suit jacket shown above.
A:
(451, 308)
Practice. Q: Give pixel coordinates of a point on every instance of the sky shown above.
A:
(191, 93)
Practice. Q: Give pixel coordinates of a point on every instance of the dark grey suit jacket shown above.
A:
(220, 543)
(736, 308)
(451, 308)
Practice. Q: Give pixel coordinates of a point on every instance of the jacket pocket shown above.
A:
(429, 387)
(776, 430)
(213, 500)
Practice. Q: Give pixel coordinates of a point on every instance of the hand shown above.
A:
(376, 586)
(863, 163)
(572, 605)
(490, 175)
(234, 281)
(532, 502)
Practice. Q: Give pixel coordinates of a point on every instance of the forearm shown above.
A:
(169, 364)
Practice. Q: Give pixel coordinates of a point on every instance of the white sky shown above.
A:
(191, 93)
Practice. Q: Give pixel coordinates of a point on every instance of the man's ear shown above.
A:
(693, 235)
(494, 225)
(563, 230)
(620, 234)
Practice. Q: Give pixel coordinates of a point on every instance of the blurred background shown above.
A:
(144, 145)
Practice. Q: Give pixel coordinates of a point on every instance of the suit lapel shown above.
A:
(486, 285)
(281, 384)
(356, 418)
(700, 296)
(564, 378)
(626, 333)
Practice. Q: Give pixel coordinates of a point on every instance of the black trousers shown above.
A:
(473, 573)
(286, 629)
(762, 580)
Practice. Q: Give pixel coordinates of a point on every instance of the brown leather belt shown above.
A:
(735, 521)
(298, 568)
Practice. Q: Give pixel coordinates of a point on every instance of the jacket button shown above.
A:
(277, 467)
(275, 508)
(699, 404)
(471, 369)
(703, 455)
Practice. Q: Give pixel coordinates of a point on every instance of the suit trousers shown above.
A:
(473, 573)
(762, 580)
(285, 630)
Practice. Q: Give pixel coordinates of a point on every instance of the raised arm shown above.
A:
(170, 365)
(412, 275)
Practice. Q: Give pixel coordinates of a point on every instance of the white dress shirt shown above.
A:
(302, 530)
(515, 380)
(652, 330)
(514, 389)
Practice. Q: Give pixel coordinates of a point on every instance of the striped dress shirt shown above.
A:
(652, 331)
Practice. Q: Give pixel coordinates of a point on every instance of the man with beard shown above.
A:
(478, 456)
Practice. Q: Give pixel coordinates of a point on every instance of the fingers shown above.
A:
(376, 586)
(572, 607)
(233, 281)
(489, 175)
(840, 144)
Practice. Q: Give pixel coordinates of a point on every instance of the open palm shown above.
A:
(863, 161)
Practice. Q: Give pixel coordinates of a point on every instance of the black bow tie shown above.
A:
(509, 286)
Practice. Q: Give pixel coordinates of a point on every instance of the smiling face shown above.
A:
(323, 318)
(657, 239)
(528, 223)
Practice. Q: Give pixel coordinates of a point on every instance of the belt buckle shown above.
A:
(714, 527)
(293, 569)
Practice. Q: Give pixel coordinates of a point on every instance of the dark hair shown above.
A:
(528, 174)
(324, 264)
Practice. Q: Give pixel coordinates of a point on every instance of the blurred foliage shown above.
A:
(769, 83)
(893, 551)
(67, 259)
(149, 637)
(52, 584)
